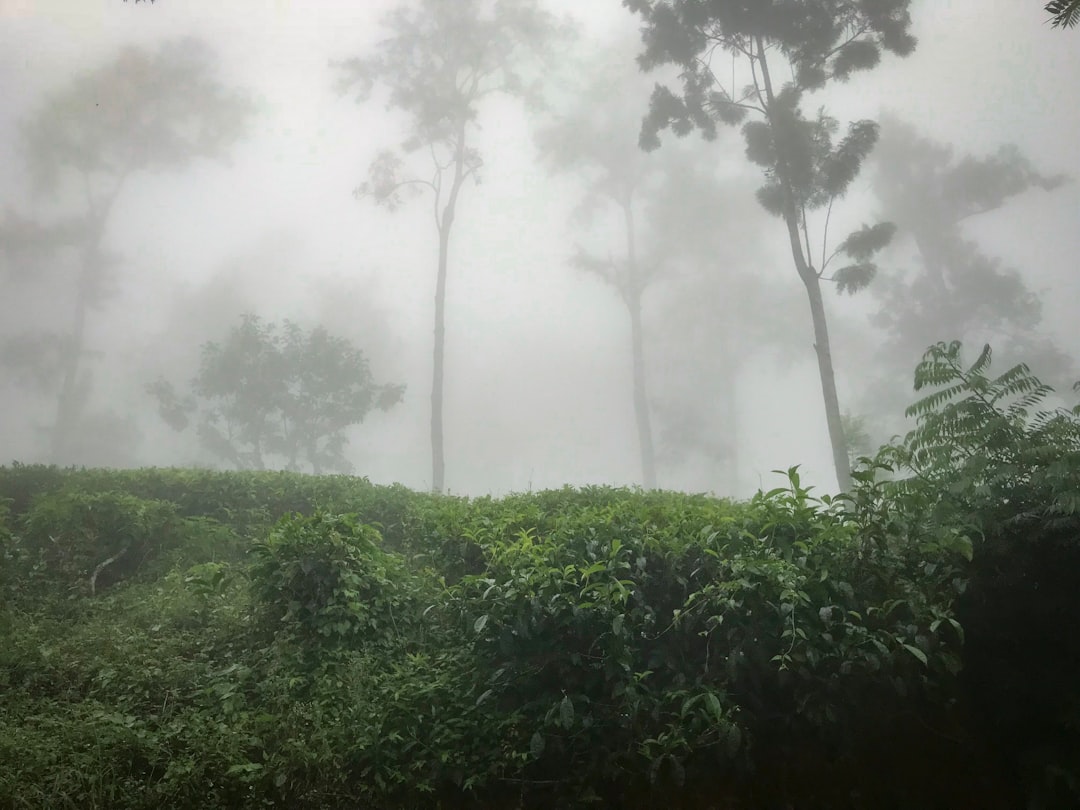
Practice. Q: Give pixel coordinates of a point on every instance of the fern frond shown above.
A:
(983, 361)
(1065, 13)
(934, 401)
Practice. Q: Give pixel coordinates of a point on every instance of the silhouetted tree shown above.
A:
(957, 292)
(277, 391)
(821, 41)
(142, 111)
(440, 62)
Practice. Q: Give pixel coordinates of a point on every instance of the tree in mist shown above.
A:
(277, 391)
(1063, 13)
(141, 112)
(671, 214)
(805, 169)
(440, 62)
(591, 141)
(956, 292)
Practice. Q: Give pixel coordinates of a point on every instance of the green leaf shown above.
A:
(617, 625)
(714, 706)
(480, 624)
(917, 653)
(536, 745)
(566, 712)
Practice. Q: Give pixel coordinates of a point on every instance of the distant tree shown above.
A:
(805, 171)
(142, 111)
(1064, 13)
(269, 391)
(440, 62)
(671, 215)
(590, 140)
(956, 292)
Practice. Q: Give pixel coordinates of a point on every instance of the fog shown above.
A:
(539, 383)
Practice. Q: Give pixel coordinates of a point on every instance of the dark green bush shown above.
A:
(83, 543)
(323, 582)
(903, 646)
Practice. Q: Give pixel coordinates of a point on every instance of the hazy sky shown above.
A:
(538, 363)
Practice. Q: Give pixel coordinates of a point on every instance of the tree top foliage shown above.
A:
(924, 182)
(143, 110)
(441, 59)
(822, 40)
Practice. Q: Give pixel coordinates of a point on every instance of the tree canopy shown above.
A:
(804, 166)
(277, 391)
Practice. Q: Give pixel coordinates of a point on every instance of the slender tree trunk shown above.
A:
(438, 462)
(444, 224)
(641, 400)
(812, 282)
(731, 407)
(632, 293)
(841, 458)
(70, 398)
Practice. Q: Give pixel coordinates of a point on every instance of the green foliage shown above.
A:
(565, 648)
(991, 460)
(86, 542)
(982, 445)
(324, 582)
(278, 391)
(1064, 13)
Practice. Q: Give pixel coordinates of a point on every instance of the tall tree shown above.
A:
(440, 62)
(956, 291)
(141, 111)
(805, 171)
(277, 391)
(590, 140)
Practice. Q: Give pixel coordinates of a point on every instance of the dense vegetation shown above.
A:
(187, 638)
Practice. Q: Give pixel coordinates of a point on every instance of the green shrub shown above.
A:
(87, 542)
(323, 582)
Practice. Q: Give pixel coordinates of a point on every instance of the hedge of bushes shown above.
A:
(193, 639)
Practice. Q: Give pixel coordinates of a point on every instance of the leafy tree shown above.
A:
(440, 62)
(1064, 13)
(805, 170)
(277, 391)
(141, 112)
(958, 292)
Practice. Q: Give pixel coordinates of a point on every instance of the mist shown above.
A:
(248, 208)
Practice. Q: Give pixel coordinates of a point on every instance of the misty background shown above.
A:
(539, 383)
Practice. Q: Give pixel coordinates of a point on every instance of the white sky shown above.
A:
(538, 365)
